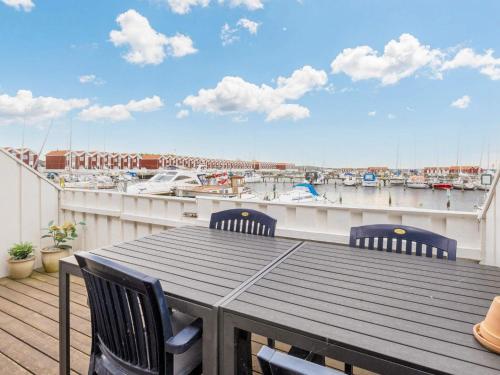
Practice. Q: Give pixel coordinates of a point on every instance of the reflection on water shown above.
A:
(400, 197)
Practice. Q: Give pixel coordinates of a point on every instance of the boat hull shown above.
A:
(442, 186)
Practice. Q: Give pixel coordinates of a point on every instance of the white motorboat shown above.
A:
(370, 179)
(104, 182)
(397, 180)
(166, 182)
(464, 183)
(78, 182)
(251, 177)
(350, 180)
(417, 182)
(315, 177)
(301, 193)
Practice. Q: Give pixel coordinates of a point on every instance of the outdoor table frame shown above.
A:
(268, 307)
(185, 300)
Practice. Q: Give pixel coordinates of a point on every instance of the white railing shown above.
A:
(490, 228)
(113, 217)
(28, 202)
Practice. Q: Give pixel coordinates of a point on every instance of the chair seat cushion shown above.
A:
(186, 362)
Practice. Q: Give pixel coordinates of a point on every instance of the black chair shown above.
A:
(399, 233)
(244, 221)
(273, 362)
(133, 330)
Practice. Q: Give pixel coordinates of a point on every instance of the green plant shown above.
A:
(21, 250)
(61, 234)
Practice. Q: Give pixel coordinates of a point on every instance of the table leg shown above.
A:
(64, 320)
(236, 346)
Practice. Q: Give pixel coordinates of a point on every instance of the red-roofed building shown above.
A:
(151, 161)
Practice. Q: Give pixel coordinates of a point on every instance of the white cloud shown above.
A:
(391, 116)
(251, 26)
(228, 35)
(91, 78)
(234, 95)
(180, 45)
(184, 6)
(26, 5)
(372, 113)
(146, 45)
(467, 58)
(249, 4)
(461, 103)
(120, 112)
(401, 58)
(292, 111)
(183, 113)
(23, 106)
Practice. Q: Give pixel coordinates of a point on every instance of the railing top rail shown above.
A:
(412, 210)
(160, 197)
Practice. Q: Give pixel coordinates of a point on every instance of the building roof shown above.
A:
(57, 153)
(151, 156)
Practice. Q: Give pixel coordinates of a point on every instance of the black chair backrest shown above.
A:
(273, 362)
(399, 233)
(129, 314)
(244, 221)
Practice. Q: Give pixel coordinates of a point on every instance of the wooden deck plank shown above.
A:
(48, 311)
(42, 342)
(53, 300)
(43, 324)
(27, 356)
(77, 288)
(54, 290)
(8, 366)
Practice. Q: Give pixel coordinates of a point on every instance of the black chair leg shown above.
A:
(348, 369)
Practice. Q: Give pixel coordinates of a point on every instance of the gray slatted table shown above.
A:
(386, 312)
(198, 269)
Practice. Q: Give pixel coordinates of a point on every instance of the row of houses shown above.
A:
(63, 159)
(28, 156)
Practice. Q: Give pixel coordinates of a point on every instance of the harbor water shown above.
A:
(385, 196)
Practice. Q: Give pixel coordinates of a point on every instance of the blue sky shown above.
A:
(337, 103)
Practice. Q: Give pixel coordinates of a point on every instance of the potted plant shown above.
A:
(61, 235)
(22, 260)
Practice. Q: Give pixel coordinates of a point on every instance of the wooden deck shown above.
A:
(29, 327)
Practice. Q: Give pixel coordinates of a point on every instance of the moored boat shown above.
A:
(166, 182)
(370, 179)
(442, 186)
(417, 182)
(350, 180)
(301, 193)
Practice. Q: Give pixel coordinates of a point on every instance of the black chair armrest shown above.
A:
(181, 342)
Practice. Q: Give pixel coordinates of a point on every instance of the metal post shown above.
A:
(64, 320)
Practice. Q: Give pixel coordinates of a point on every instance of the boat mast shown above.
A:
(70, 143)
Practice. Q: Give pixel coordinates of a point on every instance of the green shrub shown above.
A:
(21, 250)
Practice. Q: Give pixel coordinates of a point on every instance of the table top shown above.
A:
(414, 310)
(199, 264)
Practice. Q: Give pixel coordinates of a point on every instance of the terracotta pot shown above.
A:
(21, 268)
(490, 327)
(51, 256)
